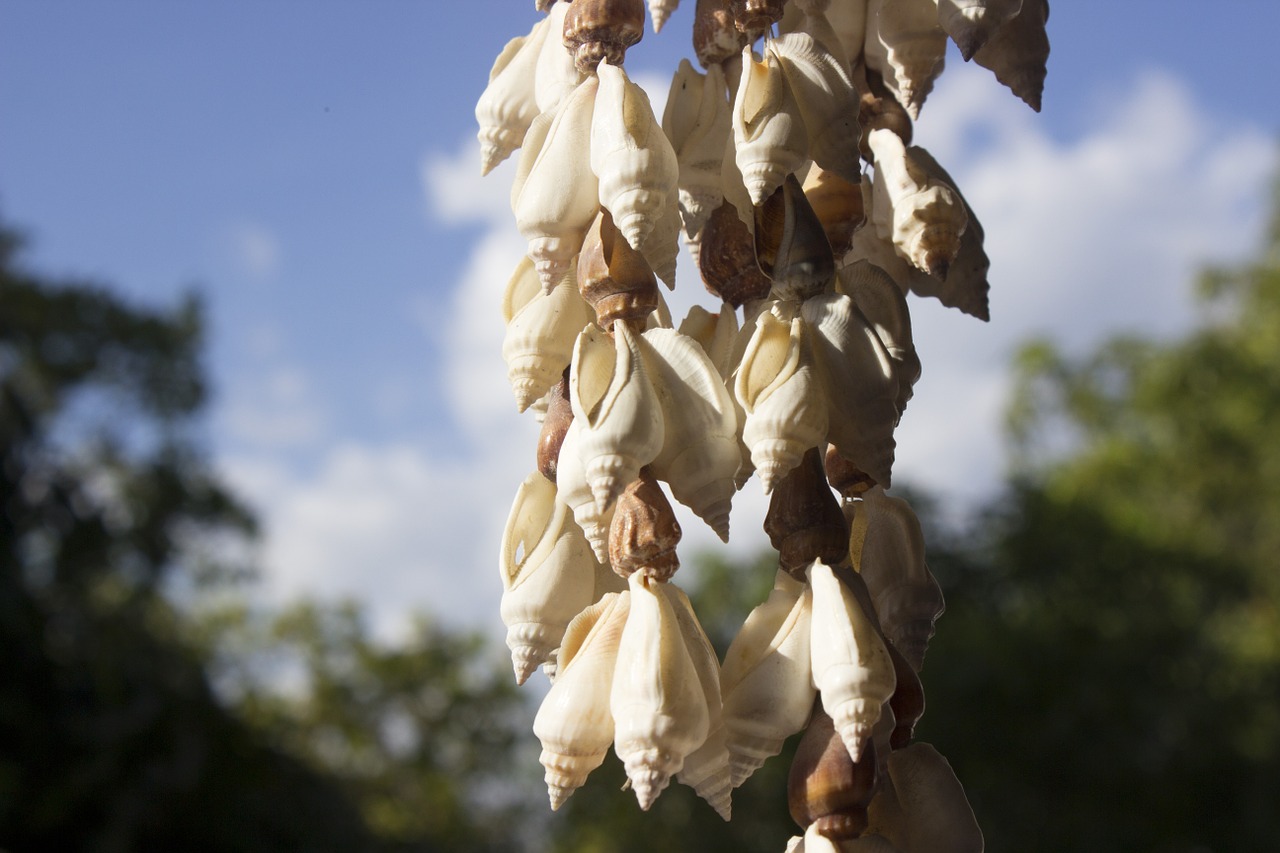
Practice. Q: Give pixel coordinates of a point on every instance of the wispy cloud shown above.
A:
(254, 249)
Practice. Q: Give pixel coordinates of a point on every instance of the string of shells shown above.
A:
(784, 161)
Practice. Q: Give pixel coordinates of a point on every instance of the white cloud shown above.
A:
(274, 409)
(254, 249)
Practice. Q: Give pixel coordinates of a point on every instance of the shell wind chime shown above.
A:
(786, 164)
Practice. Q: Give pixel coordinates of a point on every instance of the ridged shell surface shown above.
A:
(539, 341)
(914, 45)
(768, 130)
(574, 489)
(828, 102)
(508, 104)
(697, 121)
(660, 11)
(557, 75)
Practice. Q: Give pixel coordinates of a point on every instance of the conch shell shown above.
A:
(574, 489)
(539, 341)
(972, 23)
(547, 574)
(557, 75)
(768, 129)
(660, 10)
(827, 100)
(936, 816)
(1018, 51)
(696, 120)
(508, 105)
(715, 333)
(914, 46)
(884, 305)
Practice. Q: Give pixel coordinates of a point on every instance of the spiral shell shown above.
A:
(884, 305)
(600, 31)
(508, 104)
(574, 489)
(1018, 51)
(715, 38)
(660, 10)
(827, 100)
(914, 46)
(614, 278)
(827, 790)
(972, 23)
(727, 260)
(936, 815)
(696, 120)
(539, 340)
(520, 290)
(715, 333)
(644, 532)
(557, 75)
(768, 129)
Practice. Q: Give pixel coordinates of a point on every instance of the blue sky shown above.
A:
(310, 167)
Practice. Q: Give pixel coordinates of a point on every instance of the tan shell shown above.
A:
(555, 425)
(838, 205)
(508, 104)
(914, 46)
(601, 30)
(715, 333)
(828, 102)
(1018, 51)
(715, 38)
(613, 278)
(696, 120)
(727, 260)
(768, 130)
(644, 532)
(971, 23)
(804, 523)
(756, 16)
(539, 340)
(827, 791)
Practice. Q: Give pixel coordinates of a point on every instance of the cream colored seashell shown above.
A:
(828, 102)
(662, 246)
(768, 130)
(539, 341)
(781, 396)
(575, 491)
(660, 10)
(841, 26)
(715, 333)
(1018, 52)
(547, 574)
(814, 841)
(557, 197)
(659, 710)
(734, 187)
(914, 45)
(574, 722)
(521, 288)
(921, 213)
(699, 455)
(616, 409)
(557, 75)
(971, 23)
(631, 156)
(891, 560)
(696, 120)
(858, 378)
(766, 680)
(884, 305)
(508, 105)
(851, 666)
(706, 769)
(936, 814)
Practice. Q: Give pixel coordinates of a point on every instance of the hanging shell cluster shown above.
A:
(786, 164)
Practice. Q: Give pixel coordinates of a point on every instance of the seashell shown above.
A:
(660, 10)
(662, 246)
(659, 709)
(879, 109)
(936, 815)
(555, 425)
(715, 37)
(791, 246)
(804, 522)
(838, 205)
(715, 333)
(696, 120)
(631, 156)
(845, 477)
(546, 570)
(971, 23)
(539, 340)
(906, 706)
(616, 410)
(706, 769)
(613, 278)
(780, 394)
(508, 104)
(766, 680)
(727, 260)
(755, 16)
(768, 131)
(921, 213)
(644, 532)
(841, 26)
(908, 600)
(859, 381)
(827, 791)
(700, 453)
(914, 46)
(851, 665)
(884, 305)
(602, 30)
(556, 75)
(574, 489)
(521, 288)
(1018, 52)
(555, 197)
(574, 723)
(828, 102)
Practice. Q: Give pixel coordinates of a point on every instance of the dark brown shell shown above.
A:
(844, 476)
(756, 16)
(907, 701)
(602, 30)
(727, 259)
(825, 786)
(644, 532)
(791, 245)
(715, 37)
(804, 522)
(555, 425)
(613, 277)
(879, 109)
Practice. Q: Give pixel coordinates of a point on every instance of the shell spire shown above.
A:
(827, 100)
(539, 341)
(660, 11)
(914, 47)
(768, 130)
(508, 104)
(696, 120)
(1018, 52)
(972, 23)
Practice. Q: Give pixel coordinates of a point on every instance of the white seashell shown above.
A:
(715, 333)
(1018, 51)
(921, 213)
(884, 305)
(735, 189)
(557, 74)
(851, 666)
(890, 557)
(781, 397)
(706, 769)
(699, 455)
(858, 378)
(574, 722)
(766, 681)
(508, 106)
(662, 246)
(547, 574)
(971, 23)
(575, 491)
(631, 156)
(539, 341)
(659, 710)
(555, 195)
(696, 120)
(914, 46)
(660, 10)
(614, 402)
(936, 814)
(768, 130)
(521, 288)
(828, 102)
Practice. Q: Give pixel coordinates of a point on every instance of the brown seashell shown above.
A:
(644, 532)
(880, 109)
(1018, 51)
(555, 425)
(838, 205)
(755, 16)
(825, 786)
(727, 259)
(791, 245)
(544, 5)
(602, 30)
(613, 277)
(843, 475)
(715, 38)
(804, 522)
(907, 702)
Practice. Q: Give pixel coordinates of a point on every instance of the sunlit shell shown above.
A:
(1018, 51)
(600, 31)
(827, 100)
(971, 23)
(539, 341)
(520, 290)
(660, 10)
(914, 46)
(574, 489)
(697, 121)
(715, 37)
(838, 205)
(508, 104)
(715, 333)
(768, 131)
(557, 75)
